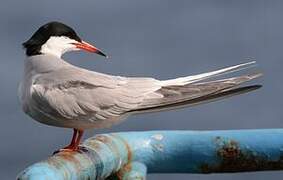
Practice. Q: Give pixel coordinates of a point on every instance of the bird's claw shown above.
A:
(67, 149)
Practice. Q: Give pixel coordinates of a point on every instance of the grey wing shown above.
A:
(89, 96)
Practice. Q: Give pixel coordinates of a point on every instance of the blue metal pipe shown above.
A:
(132, 171)
(165, 152)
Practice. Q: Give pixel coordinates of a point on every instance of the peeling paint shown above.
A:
(156, 144)
(158, 147)
(157, 137)
(145, 143)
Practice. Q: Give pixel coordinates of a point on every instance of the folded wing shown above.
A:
(88, 96)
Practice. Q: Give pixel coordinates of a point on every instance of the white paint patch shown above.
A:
(157, 137)
(119, 164)
(146, 143)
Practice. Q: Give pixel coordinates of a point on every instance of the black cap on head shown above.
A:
(33, 45)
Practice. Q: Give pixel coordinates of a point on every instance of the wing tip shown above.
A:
(245, 65)
(255, 75)
(241, 90)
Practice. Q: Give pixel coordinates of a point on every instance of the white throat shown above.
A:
(58, 45)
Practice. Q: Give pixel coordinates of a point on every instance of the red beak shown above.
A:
(90, 48)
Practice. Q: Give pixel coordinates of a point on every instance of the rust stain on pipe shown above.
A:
(129, 150)
(126, 168)
(233, 158)
(110, 143)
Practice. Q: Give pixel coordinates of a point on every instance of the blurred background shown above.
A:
(161, 38)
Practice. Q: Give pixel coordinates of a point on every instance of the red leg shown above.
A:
(73, 142)
(74, 145)
(80, 135)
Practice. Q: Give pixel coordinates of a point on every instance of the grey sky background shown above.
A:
(162, 39)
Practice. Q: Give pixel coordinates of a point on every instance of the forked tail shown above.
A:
(193, 90)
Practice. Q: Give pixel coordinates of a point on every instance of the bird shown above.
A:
(57, 93)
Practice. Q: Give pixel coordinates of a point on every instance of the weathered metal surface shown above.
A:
(129, 154)
(234, 158)
(131, 171)
(98, 158)
(137, 171)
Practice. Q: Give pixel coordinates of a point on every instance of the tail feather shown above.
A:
(191, 90)
(199, 77)
(201, 100)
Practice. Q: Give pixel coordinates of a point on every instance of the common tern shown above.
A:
(60, 94)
